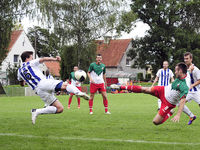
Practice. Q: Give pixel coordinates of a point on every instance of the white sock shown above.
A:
(72, 89)
(46, 110)
(159, 103)
(187, 111)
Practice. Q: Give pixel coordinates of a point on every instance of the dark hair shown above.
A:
(188, 53)
(183, 67)
(98, 55)
(25, 55)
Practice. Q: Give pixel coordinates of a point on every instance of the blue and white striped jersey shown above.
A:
(194, 76)
(164, 77)
(30, 72)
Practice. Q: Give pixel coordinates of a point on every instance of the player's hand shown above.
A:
(77, 83)
(58, 58)
(176, 118)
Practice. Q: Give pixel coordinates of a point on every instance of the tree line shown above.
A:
(73, 26)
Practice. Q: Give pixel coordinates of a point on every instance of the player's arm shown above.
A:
(196, 73)
(88, 73)
(156, 80)
(195, 84)
(90, 78)
(57, 58)
(104, 78)
(172, 79)
(180, 109)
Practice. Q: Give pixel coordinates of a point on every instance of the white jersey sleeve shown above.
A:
(35, 62)
(171, 74)
(196, 72)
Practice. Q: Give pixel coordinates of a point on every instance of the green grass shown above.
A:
(74, 129)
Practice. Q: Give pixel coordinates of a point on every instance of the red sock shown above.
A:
(90, 104)
(105, 103)
(78, 99)
(134, 88)
(70, 100)
(167, 116)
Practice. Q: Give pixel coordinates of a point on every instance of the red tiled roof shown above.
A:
(54, 68)
(14, 36)
(113, 52)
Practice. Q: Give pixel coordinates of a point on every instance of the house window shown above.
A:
(128, 62)
(16, 58)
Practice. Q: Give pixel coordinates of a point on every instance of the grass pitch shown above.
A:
(129, 126)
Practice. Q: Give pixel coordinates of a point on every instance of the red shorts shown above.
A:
(97, 87)
(159, 91)
(79, 87)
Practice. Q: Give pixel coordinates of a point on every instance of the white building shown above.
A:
(19, 43)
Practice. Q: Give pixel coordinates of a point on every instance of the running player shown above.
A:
(169, 95)
(30, 73)
(97, 77)
(164, 77)
(194, 81)
(75, 83)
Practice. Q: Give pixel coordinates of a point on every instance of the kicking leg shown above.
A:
(72, 89)
(56, 107)
(134, 88)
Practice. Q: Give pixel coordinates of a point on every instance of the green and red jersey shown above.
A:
(96, 72)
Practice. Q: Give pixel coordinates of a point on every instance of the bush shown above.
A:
(148, 77)
(140, 76)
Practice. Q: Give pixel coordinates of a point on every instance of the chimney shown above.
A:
(107, 39)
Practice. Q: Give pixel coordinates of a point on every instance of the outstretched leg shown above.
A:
(56, 107)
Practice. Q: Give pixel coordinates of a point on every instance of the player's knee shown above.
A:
(156, 122)
(60, 109)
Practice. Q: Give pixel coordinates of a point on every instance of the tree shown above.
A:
(12, 74)
(68, 60)
(79, 22)
(10, 11)
(171, 31)
(46, 43)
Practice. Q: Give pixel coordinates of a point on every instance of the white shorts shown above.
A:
(193, 96)
(46, 90)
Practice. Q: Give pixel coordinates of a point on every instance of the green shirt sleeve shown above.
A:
(183, 90)
(90, 68)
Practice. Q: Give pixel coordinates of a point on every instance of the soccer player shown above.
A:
(194, 81)
(75, 83)
(169, 95)
(163, 76)
(48, 75)
(97, 77)
(30, 73)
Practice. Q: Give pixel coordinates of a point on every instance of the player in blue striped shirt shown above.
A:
(30, 73)
(164, 77)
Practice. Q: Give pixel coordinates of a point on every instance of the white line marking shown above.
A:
(97, 139)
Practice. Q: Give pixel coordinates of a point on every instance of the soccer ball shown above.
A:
(80, 75)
